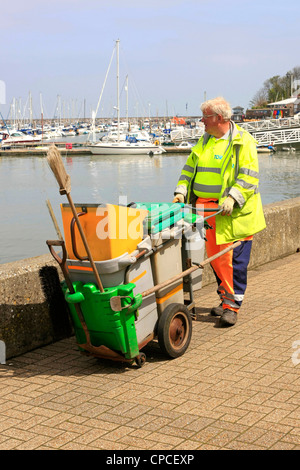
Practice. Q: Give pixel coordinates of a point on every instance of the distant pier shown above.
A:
(75, 150)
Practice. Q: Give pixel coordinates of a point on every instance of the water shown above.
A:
(27, 182)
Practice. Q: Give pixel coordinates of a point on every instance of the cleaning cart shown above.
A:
(124, 273)
(148, 277)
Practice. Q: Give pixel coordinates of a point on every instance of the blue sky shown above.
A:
(175, 53)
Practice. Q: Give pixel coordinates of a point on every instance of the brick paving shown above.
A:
(235, 388)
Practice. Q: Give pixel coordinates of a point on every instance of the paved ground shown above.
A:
(235, 388)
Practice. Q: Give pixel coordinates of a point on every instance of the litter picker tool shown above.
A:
(64, 181)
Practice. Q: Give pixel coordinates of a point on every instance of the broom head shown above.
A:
(56, 164)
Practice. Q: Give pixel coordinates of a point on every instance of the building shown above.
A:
(286, 108)
(238, 114)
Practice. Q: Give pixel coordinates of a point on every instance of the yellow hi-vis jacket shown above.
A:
(232, 172)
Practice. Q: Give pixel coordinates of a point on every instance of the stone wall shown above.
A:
(33, 312)
(32, 308)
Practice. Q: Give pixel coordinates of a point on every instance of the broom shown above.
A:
(64, 181)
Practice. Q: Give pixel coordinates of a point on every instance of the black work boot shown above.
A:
(228, 318)
(217, 311)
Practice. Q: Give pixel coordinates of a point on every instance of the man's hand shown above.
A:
(178, 198)
(227, 206)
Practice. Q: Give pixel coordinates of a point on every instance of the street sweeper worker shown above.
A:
(222, 171)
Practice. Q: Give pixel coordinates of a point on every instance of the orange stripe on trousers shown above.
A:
(222, 265)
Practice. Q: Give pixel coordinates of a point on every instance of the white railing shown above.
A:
(183, 133)
(269, 131)
(287, 136)
(270, 124)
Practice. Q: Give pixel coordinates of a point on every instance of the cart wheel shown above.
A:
(140, 359)
(174, 330)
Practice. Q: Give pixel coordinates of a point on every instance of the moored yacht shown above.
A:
(125, 148)
(127, 144)
(17, 137)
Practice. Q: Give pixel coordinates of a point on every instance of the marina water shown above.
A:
(27, 182)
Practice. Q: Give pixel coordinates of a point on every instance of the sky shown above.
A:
(175, 53)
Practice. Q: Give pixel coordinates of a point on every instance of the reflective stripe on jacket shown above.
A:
(236, 174)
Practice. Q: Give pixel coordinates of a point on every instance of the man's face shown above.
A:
(210, 120)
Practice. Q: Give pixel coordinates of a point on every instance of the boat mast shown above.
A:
(30, 109)
(42, 115)
(127, 120)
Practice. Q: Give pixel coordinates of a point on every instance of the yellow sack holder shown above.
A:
(110, 230)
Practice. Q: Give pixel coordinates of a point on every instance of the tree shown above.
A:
(275, 88)
(260, 99)
(296, 73)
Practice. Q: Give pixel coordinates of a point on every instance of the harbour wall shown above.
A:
(33, 312)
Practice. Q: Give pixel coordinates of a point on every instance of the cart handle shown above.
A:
(217, 211)
(212, 215)
(189, 206)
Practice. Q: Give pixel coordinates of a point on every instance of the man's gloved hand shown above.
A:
(178, 198)
(227, 206)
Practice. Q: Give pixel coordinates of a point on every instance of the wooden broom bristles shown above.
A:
(56, 164)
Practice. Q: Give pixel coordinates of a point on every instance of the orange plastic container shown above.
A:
(110, 230)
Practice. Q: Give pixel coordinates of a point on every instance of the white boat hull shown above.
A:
(125, 149)
(20, 140)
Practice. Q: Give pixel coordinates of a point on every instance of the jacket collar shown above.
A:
(236, 134)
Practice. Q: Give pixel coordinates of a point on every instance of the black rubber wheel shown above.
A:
(174, 330)
(140, 359)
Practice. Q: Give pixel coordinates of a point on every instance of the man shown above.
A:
(222, 171)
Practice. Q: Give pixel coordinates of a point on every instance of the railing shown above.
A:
(287, 136)
(268, 132)
(270, 124)
(180, 134)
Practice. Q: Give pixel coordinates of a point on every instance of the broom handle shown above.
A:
(85, 243)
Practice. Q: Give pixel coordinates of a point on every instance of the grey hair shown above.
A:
(219, 106)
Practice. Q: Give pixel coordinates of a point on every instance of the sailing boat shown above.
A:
(121, 147)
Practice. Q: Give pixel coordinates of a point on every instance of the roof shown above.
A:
(283, 102)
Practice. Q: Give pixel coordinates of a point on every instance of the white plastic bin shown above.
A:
(193, 248)
(111, 271)
(140, 274)
(166, 263)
